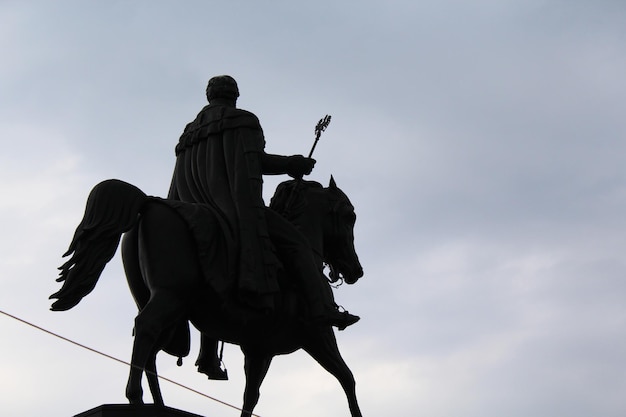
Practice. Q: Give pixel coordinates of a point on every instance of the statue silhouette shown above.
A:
(212, 254)
(177, 263)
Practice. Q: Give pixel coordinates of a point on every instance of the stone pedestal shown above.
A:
(129, 410)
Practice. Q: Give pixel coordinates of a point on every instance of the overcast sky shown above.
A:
(482, 144)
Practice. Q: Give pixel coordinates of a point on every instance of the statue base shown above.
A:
(135, 410)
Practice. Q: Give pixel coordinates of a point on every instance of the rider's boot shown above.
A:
(329, 311)
(343, 319)
(331, 316)
(211, 367)
(208, 361)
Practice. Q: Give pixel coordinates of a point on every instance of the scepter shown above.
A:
(319, 128)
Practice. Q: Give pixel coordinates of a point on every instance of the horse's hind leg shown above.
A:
(153, 379)
(162, 311)
(325, 351)
(256, 366)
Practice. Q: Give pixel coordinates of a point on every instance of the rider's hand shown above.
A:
(298, 166)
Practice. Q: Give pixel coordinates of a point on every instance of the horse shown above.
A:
(166, 274)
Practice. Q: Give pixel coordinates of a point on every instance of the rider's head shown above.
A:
(222, 87)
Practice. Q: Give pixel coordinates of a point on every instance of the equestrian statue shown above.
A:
(213, 255)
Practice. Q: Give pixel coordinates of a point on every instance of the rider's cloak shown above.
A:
(218, 163)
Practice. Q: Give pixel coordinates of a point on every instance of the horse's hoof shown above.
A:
(135, 398)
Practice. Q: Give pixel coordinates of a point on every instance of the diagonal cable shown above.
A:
(120, 361)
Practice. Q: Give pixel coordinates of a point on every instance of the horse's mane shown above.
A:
(290, 196)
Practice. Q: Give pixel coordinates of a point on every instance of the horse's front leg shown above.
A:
(256, 366)
(325, 351)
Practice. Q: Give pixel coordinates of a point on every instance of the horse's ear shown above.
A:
(332, 184)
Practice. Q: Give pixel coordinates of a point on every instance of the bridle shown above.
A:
(336, 211)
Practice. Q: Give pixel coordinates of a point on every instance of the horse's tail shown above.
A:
(112, 208)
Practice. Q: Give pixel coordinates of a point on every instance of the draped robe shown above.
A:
(218, 163)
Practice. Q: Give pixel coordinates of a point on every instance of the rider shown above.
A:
(220, 161)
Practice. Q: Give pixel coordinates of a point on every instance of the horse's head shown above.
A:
(326, 217)
(339, 252)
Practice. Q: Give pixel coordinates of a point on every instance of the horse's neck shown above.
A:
(311, 223)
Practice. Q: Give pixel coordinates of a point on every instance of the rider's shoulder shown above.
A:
(240, 113)
(235, 117)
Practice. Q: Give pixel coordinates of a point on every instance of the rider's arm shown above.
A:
(295, 166)
(274, 164)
